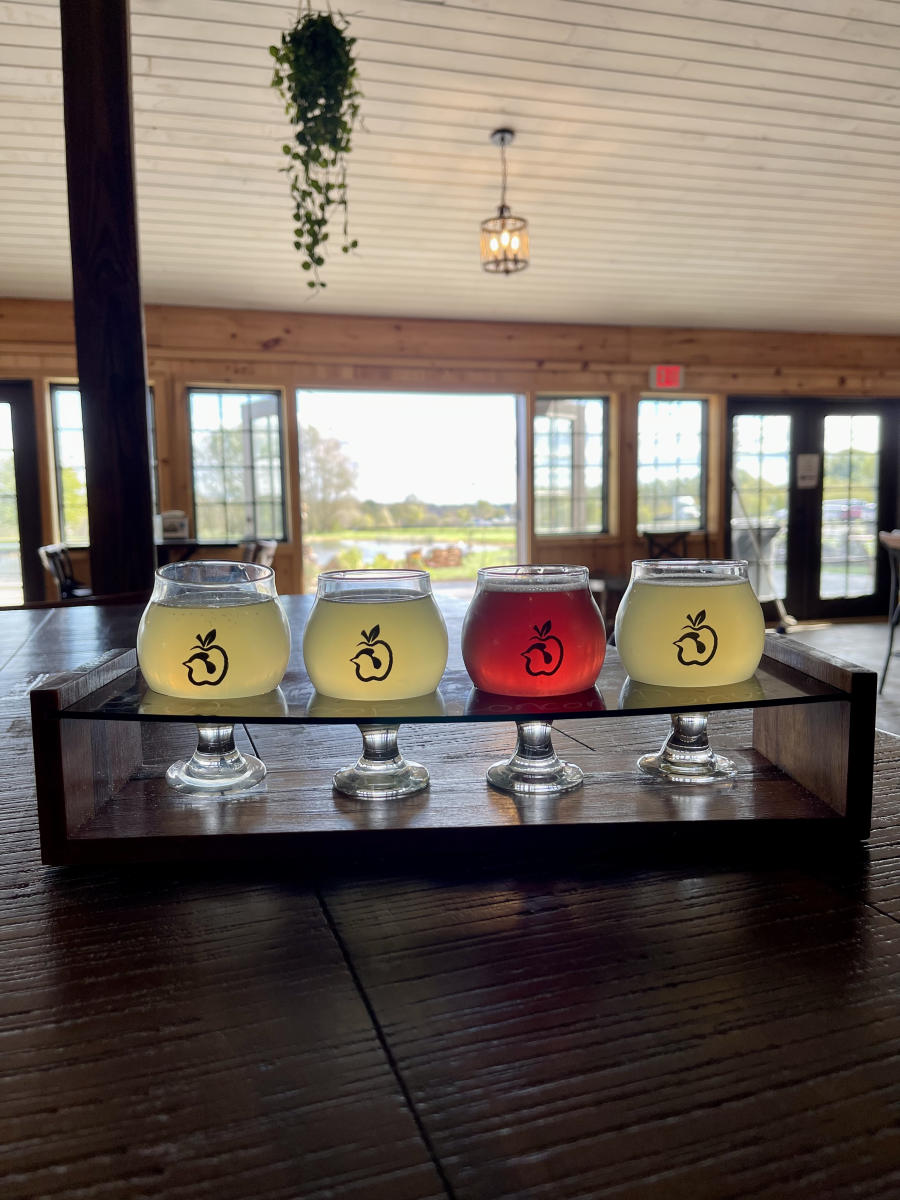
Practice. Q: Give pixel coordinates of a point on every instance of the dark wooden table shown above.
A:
(725, 1025)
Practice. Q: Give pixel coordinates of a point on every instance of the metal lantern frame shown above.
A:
(504, 238)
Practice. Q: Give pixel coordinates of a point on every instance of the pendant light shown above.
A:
(504, 238)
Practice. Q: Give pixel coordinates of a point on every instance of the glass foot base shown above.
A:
(367, 783)
(186, 776)
(663, 766)
(216, 766)
(686, 755)
(534, 769)
(508, 776)
(381, 772)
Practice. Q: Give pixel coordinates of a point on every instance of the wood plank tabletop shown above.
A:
(716, 1025)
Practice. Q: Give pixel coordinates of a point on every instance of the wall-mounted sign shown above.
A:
(666, 375)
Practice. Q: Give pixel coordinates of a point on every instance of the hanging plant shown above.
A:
(316, 76)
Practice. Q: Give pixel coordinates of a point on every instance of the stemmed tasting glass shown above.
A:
(214, 631)
(689, 623)
(376, 637)
(533, 631)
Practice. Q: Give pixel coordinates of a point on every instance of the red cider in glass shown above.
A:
(533, 631)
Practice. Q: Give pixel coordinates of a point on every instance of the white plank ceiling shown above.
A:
(716, 163)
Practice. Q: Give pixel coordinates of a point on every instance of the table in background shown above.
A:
(172, 550)
(710, 1027)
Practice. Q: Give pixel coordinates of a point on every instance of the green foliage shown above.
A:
(316, 76)
(74, 507)
(327, 483)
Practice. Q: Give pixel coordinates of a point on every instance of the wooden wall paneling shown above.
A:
(109, 326)
(37, 324)
(851, 362)
(319, 337)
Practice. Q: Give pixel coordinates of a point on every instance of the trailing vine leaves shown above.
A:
(316, 75)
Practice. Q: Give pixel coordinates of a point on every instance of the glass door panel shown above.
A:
(11, 589)
(760, 493)
(850, 471)
(812, 482)
(21, 573)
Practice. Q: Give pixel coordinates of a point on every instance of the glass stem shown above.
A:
(689, 738)
(216, 764)
(534, 768)
(380, 749)
(215, 747)
(686, 754)
(381, 772)
(534, 747)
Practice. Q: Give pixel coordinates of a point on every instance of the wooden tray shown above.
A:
(802, 735)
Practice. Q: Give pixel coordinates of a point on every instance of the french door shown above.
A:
(812, 482)
(21, 573)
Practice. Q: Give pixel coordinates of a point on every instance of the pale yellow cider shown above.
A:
(365, 647)
(679, 634)
(214, 652)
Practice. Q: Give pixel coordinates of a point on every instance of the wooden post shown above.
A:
(109, 324)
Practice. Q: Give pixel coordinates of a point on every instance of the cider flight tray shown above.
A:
(801, 732)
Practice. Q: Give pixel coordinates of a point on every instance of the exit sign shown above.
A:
(666, 375)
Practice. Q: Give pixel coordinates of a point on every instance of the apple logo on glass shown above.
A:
(698, 646)
(210, 664)
(374, 661)
(545, 654)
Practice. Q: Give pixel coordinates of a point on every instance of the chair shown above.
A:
(256, 550)
(57, 562)
(667, 545)
(891, 543)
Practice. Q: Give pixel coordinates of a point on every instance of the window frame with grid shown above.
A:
(71, 535)
(562, 494)
(248, 510)
(667, 514)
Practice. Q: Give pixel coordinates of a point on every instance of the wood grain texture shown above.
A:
(106, 287)
(191, 1037)
(615, 1034)
(720, 1026)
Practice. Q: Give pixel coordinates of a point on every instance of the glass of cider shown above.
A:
(533, 631)
(376, 636)
(689, 624)
(213, 631)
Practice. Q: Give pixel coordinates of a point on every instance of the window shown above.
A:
(10, 556)
(237, 465)
(569, 448)
(68, 450)
(671, 465)
(416, 479)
